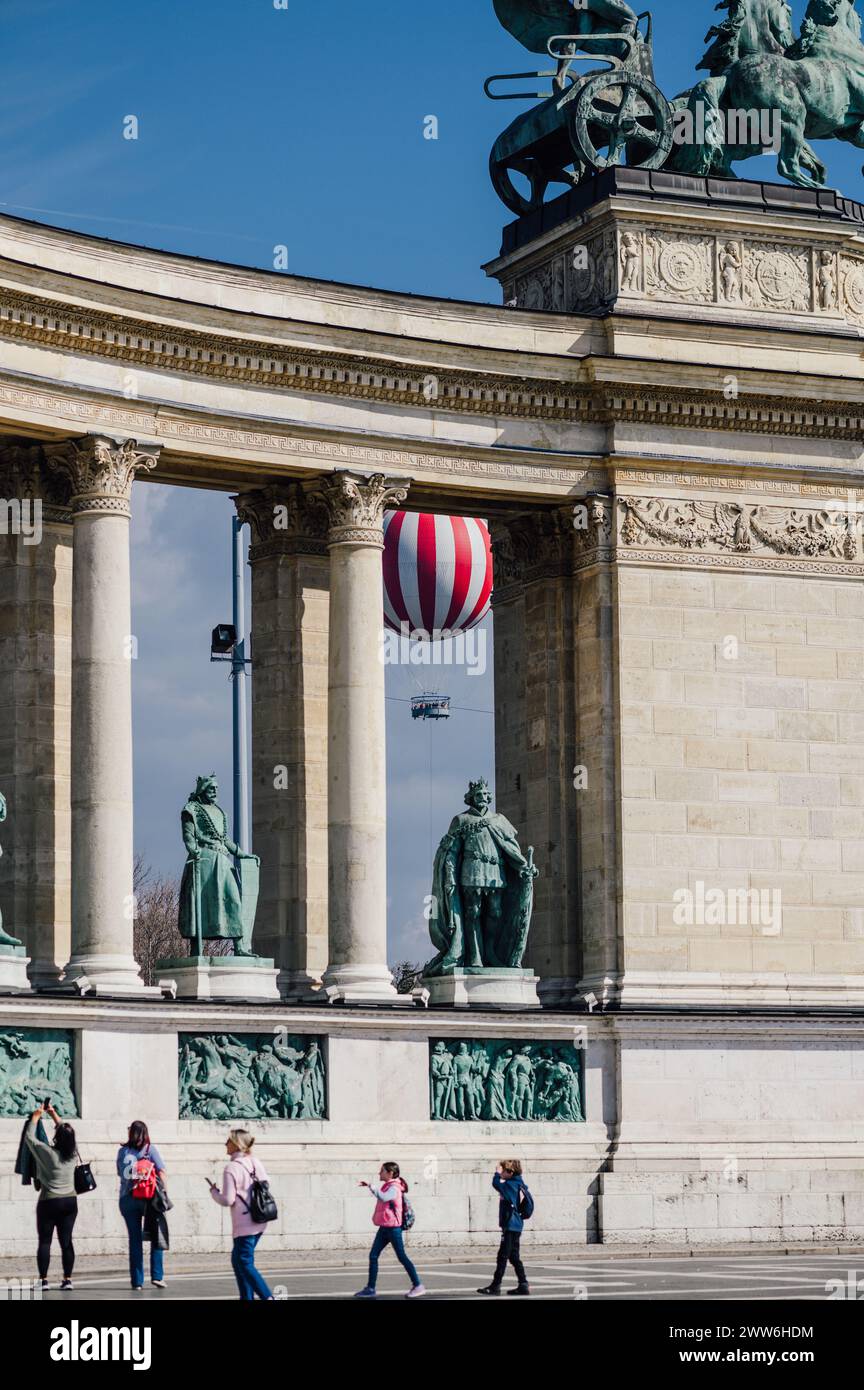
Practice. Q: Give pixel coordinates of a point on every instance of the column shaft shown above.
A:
(357, 775)
(102, 472)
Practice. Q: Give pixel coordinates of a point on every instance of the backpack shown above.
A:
(262, 1204)
(144, 1181)
(408, 1216)
(525, 1207)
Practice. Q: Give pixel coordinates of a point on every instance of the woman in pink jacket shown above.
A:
(387, 1216)
(240, 1171)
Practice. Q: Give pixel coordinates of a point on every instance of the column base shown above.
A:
(479, 986)
(44, 974)
(299, 986)
(558, 991)
(361, 984)
(107, 974)
(220, 977)
(13, 968)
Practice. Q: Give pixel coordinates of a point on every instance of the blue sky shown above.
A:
(301, 127)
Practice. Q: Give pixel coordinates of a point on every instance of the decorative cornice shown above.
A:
(101, 470)
(355, 506)
(282, 521)
(227, 357)
(93, 333)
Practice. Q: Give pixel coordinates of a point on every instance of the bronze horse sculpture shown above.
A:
(810, 87)
(814, 83)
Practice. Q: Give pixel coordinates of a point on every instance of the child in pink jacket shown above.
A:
(388, 1194)
(240, 1172)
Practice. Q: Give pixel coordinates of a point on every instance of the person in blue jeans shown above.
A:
(133, 1209)
(239, 1174)
(389, 1193)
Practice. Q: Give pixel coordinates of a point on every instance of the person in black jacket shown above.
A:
(508, 1183)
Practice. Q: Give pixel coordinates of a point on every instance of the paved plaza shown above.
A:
(755, 1278)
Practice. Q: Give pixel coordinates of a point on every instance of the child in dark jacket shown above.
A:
(508, 1183)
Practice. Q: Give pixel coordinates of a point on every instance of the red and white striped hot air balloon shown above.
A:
(437, 572)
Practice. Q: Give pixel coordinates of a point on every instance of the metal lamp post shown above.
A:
(228, 643)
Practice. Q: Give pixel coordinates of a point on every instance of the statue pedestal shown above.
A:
(480, 986)
(220, 977)
(13, 967)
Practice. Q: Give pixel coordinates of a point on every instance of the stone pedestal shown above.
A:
(357, 786)
(482, 986)
(101, 472)
(13, 968)
(220, 977)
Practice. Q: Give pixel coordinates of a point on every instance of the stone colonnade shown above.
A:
(320, 821)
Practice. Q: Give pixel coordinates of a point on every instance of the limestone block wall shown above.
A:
(742, 710)
(378, 1108)
(738, 1133)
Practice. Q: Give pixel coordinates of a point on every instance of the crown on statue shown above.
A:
(481, 785)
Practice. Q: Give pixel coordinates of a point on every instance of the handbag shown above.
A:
(83, 1178)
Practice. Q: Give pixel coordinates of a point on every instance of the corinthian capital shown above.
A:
(23, 474)
(101, 470)
(283, 521)
(355, 506)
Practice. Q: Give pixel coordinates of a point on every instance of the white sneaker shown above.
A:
(416, 1292)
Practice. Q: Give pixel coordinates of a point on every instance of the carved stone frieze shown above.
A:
(679, 267)
(619, 259)
(740, 528)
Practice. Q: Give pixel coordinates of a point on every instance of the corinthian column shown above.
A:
(356, 781)
(101, 472)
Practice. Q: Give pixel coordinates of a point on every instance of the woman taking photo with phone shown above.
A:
(241, 1172)
(140, 1167)
(57, 1207)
